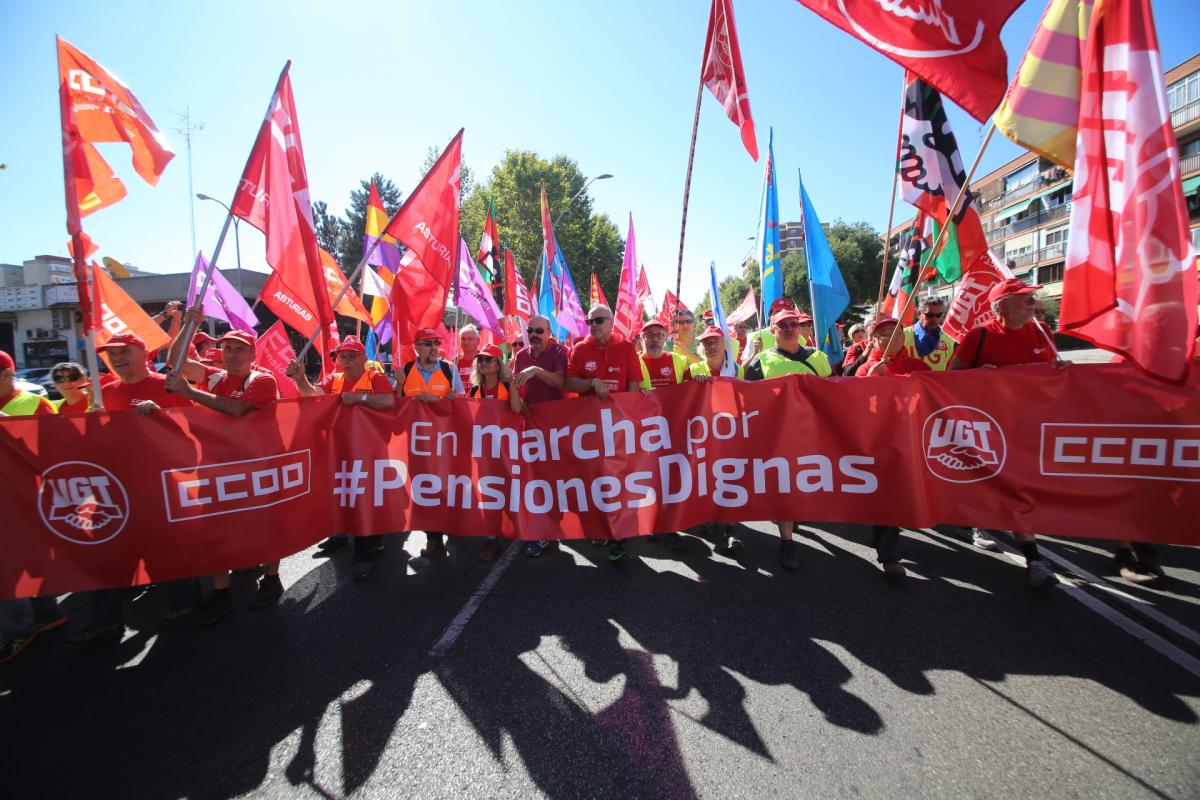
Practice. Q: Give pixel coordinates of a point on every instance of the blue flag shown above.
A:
(718, 312)
(770, 261)
(826, 287)
(372, 345)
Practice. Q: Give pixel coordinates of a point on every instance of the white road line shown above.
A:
(456, 626)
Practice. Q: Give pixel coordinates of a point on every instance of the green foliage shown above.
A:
(590, 242)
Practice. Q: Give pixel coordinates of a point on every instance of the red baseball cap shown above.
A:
(711, 332)
(1010, 287)
(780, 302)
(350, 344)
(123, 340)
(238, 336)
(491, 350)
(654, 323)
(880, 321)
(201, 336)
(6, 361)
(784, 312)
(425, 333)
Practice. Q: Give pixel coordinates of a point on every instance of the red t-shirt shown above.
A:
(662, 370)
(1005, 347)
(120, 396)
(373, 382)
(465, 364)
(617, 365)
(902, 364)
(79, 407)
(260, 392)
(44, 406)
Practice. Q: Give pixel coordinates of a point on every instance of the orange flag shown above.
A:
(117, 312)
(96, 107)
(350, 304)
(597, 293)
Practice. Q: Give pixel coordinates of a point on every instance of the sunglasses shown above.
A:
(791, 326)
(488, 360)
(433, 343)
(535, 330)
(933, 314)
(63, 378)
(598, 320)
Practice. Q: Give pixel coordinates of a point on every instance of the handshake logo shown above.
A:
(82, 502)
(963, 444)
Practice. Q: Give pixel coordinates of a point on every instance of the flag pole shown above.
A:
(97, 402)
(887, 233)
(346, 284)
(189, 327)
(940, 242)
(687, 184)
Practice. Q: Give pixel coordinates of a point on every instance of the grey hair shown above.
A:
(598, 307)
(469, 327)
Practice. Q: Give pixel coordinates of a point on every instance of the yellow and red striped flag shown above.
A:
(1041, 108)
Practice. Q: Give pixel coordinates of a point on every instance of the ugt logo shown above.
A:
(82, 502)
(963, 444)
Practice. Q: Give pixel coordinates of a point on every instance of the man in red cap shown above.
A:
(660, 367)
(789, 356)
(237, 389)
(889, 356)
(429, 378)
(358, 385)
(1013, 337)
(136, 387)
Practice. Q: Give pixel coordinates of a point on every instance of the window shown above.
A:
(1021, 177)
(1019, 251)
(1183, 91)
(1189, 149)
(1050, 273)
(1057, 235)
(1196, 239)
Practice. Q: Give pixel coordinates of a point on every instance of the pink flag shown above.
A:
(1130, 280)
(625, 316)
(273, 352)
(747, 309)
(221, 301)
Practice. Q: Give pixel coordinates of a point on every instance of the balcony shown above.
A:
(1185, 114)
(1044, 179)
(1041, 218)
(1051, 252)
(1189, 164)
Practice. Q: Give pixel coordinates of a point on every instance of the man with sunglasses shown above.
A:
(602, 363)
(540, 370)
(925, 339)
(660, 367)
(429, 378)
(788, 356)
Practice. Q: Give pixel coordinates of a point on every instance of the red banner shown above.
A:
(1094, 451)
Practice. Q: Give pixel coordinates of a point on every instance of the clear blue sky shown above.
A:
(611, 85)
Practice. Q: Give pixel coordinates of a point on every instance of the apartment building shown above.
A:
(1025, 205)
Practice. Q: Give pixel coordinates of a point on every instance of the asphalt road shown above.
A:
(675, 674)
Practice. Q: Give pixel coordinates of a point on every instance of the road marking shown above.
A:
(456, 626)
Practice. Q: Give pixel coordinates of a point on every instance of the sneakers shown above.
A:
(1038, 574)
(616, 551)
(270, 589)
(98, 635)
(983, 540)
(537, 547)
(789, 554)
(1147, 556)
(434, 544)
(212, 609)
(1131, 568)
(327, 547)
(894, 569)
(491, 549)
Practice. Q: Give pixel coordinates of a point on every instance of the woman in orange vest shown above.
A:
(490, 379)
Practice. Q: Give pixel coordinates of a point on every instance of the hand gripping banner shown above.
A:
(1091, 450)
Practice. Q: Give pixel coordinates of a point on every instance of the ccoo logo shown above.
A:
(963, 444)
(82, 502)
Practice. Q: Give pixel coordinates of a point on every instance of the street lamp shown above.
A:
(237, 242)
(583, 189)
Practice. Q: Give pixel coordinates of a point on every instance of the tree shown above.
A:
(589, 242)
(354, 223)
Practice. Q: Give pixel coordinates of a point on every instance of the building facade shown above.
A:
(1025, 205)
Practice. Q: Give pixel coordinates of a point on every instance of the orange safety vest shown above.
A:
(501, 391)
(363, 384)
(441, 382)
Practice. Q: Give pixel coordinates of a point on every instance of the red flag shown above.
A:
(427, 224)
(517, 306)
(273, 196)
(350, 305)
(96, 107)
(273, 352)
(643, 287)
(489, 242)
(747, 309)
(721, 71)
(952, 44)
(969, 308)
(670, 308)
(597, 294)
(1130, 279)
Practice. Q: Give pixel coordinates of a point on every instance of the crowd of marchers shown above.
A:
(222, 376)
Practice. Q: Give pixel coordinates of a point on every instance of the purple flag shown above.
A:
(472, 295)
(222, 300)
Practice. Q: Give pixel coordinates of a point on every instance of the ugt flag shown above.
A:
(829, 294)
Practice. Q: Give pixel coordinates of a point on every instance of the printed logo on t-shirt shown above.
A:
(590, 365)
(665, 371)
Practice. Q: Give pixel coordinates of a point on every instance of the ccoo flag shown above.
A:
(829, 294)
